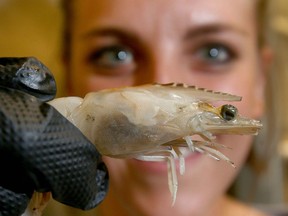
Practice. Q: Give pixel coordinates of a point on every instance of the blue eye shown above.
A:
(215, 53)
(112, 56)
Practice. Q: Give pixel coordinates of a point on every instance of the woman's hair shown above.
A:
(261, 12)
(67, 6)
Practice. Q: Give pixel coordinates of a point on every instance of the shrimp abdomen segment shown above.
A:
(117, 124)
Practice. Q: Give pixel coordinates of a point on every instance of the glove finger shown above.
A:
(29, 75)
(11, 203)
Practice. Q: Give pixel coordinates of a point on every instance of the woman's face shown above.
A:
(208, 43)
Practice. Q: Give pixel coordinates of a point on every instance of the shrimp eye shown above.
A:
(228, 112)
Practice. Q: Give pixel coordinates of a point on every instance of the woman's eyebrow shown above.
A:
(110, 31)
(201, 31)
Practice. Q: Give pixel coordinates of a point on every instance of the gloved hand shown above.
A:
(40, 150)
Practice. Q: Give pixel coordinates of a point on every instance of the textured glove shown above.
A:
(40, 150)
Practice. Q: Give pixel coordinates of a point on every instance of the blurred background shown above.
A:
(34, 28)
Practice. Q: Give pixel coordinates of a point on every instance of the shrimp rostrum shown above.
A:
(156, 122)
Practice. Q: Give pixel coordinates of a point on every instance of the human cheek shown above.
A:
(243, 80)
(251, 104)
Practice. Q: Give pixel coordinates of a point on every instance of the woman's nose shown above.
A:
(161, 71)
(164, 74)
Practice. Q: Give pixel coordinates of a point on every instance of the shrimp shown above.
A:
(156, 122)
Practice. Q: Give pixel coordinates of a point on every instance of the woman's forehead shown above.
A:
(162, 13)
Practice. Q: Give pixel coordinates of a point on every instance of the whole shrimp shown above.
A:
(154, 122)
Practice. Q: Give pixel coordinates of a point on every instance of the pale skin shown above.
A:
(169, 41)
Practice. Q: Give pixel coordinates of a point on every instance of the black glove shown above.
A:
(40, 150)
(29, 75)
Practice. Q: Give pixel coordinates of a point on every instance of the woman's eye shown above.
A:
(112, 60)
(214, 54)
(112, 56)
